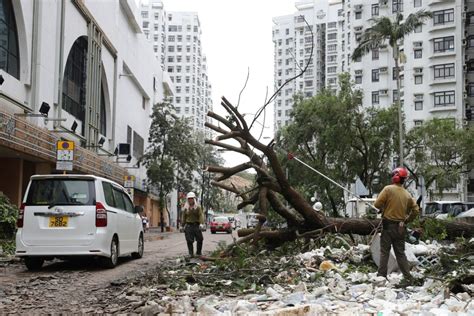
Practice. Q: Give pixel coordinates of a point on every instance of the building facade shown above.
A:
(176, 38)
(68, 73)
(436, 76)
(293, 37)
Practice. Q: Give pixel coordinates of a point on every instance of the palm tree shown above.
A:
(385, 30)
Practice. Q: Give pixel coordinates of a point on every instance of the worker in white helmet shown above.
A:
(192, 217)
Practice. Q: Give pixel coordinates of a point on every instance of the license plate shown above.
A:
(58, 221)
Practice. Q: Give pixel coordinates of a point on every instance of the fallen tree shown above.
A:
(273, 186)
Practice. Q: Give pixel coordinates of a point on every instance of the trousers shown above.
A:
(393, 235)
(193, 232)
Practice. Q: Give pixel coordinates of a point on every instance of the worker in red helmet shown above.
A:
(398, 208)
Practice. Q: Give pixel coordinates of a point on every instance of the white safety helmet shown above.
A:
(318, 206)
(191, 195)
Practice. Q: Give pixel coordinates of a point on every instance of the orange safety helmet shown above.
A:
(399, 175)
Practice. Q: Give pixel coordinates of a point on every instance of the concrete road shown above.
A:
(74, 283)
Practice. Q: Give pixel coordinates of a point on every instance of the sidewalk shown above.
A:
(154, 233)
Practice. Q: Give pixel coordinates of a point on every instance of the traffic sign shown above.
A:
(65, 151)
(64, 165)
(129, 181)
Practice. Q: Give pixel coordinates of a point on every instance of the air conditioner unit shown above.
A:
(464, 95)
(383, 3)
(383, 92)
(418, 70)
(417, 44)
(383, 70)
(358, 28)
(418, 97)
(358, 7)
(464, 15)
(464, 42)
(358, 72)
(383, 47)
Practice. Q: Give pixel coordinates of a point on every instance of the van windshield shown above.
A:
(54, 192)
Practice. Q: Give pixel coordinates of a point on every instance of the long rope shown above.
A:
(291, 156)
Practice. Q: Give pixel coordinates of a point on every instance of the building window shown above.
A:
(418, 105)
(145, 14)
(444, 71)
(375, 75)
(470, 90)
(375, 97)
(397, 6)
(358, 79)
(375, 10)
(470, 42)
(419, 79)
(394, 73)
(444, 98)
(418, 122)
(9, 56)
(418, 53)
(138, 145)
(418, 29)
(443, 44)
(443, 16)
(74, 82)
(358, 15)
(417, 3)
(332, 36)
(395, 96)
(375, 54)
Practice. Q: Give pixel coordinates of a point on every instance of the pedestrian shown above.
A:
(192, 218)
(145, 223)
(398, 208)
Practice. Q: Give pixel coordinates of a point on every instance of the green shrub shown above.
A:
(8, 216)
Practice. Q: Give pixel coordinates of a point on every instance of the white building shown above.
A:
(90, 64)
(176, 37)
(293, 40)
(436, 79)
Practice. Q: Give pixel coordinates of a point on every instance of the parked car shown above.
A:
(77, 215)
(221, 224)
(445, 209)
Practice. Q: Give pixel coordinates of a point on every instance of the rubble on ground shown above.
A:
(335, 278)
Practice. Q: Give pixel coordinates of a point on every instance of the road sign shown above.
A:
(64, 151)
(129, 181)
(64, 165)
(130, 192)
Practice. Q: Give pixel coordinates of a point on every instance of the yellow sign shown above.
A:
(64, 150)
(129, 182)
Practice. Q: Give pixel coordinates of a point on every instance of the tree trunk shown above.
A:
(399, 108)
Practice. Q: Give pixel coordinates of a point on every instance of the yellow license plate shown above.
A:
(58, 221)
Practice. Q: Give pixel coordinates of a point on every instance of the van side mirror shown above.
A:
(138, 209)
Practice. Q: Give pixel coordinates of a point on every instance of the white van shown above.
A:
(77, 215)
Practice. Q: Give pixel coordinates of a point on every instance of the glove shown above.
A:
(401, 227)
(201, 226)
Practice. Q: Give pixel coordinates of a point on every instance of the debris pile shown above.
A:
(326, 279)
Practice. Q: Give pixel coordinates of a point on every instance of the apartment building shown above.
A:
(79, 71)
(293, 37)
(437, 76)
(176, 38)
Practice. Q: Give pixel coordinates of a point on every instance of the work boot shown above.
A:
(199, 248)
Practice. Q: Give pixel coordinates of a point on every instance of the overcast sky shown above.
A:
(237, 36)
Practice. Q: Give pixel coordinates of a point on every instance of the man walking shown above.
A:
(398, 208)
(192, 218)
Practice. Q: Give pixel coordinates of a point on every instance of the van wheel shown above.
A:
(141, 248)
(34, 263)
(111, 262)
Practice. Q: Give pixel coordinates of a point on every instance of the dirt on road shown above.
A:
(72, 286)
